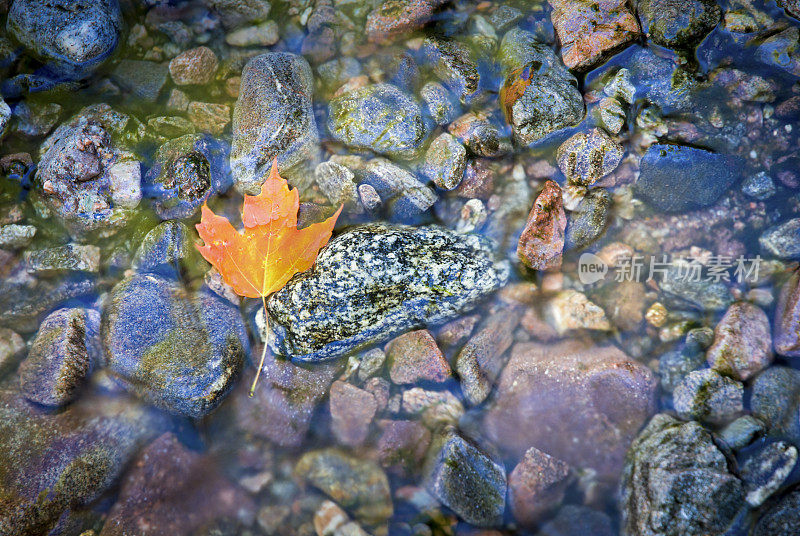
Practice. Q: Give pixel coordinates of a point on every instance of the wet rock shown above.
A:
(481, 360)
(338, 184)
(236, 13)
(406, 198)
(179, 352)
(673, 367)
(742, 342)
(676, 482)
(24, 301)
(185, 172)
(705, 395)
(759, 186)
(65, 351)
(741, 432)
(782, 519)
(466, 480)
(764, 473)
(14, 236)
(775, 400)
(369, 198)
(544, 102)
(284, 402)
(352, 410)
(273, 118)
(791, 6)
(168, 249)
(536, 485)
(572, 520)
(786, 334)
(542, 241)
(590, 30)
(74, 38)
(260, 35)
(11, 349)
(171, 490)
(399, 277)
(36, 119)
(612, 115)
(338, 71)
(402, 445)
(588, 402)
(589, 156)
(782, 241)
(53, 462)
(478, 134)
(196, 66)
(5, 116)
(453, 65)
(700, 293)
(209, 117)
(445, 162)
(86, 181)
(395, 18)
(677, 178)
(624, 303)
(357, 484)
(678, 24)
(414, 357)
(571, 310)
(439, 103)
(70, 257)
(781, 51)
(378, 117)
(144, 79)
(588, 221)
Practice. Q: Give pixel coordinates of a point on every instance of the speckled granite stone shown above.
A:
(376, 281)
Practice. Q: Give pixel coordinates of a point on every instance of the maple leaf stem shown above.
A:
(264, 351)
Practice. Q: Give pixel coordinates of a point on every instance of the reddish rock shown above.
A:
(380, 389)
(591, 29)
(396, 18)
(284, 402)
(402, 445)
(482, 358)
(742, 342)
(787, 319)
(582, 402)
(352, 410)
(478, 181)
(542, 240)
(172, 491)
(536, 326)
(196, 66)
(536, 485)
(457, 332)
(415, 357)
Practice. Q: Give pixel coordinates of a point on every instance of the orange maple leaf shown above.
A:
(261, 258)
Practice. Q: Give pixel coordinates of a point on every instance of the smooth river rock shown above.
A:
(273, 118)
(376, 281)
(581, 403)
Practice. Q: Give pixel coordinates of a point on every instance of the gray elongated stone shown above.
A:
(273, 118)
(376, 281)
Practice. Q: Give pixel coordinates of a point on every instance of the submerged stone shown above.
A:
(467, 481)
(179, 352)
(378, 117)
(678, 24)
(65, 351)
(786, 336)
(676, 482)
(376, 281)
(677, 178)
(782, 241)
(273, 118)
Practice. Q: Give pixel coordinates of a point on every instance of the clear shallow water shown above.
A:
(564, 336)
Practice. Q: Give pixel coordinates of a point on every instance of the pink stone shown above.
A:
(542, 240)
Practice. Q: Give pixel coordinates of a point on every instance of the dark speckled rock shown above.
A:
(376, 281)
(677, 483)
(467, 480)
(180, 352)
(678, 23)
(63, 354)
